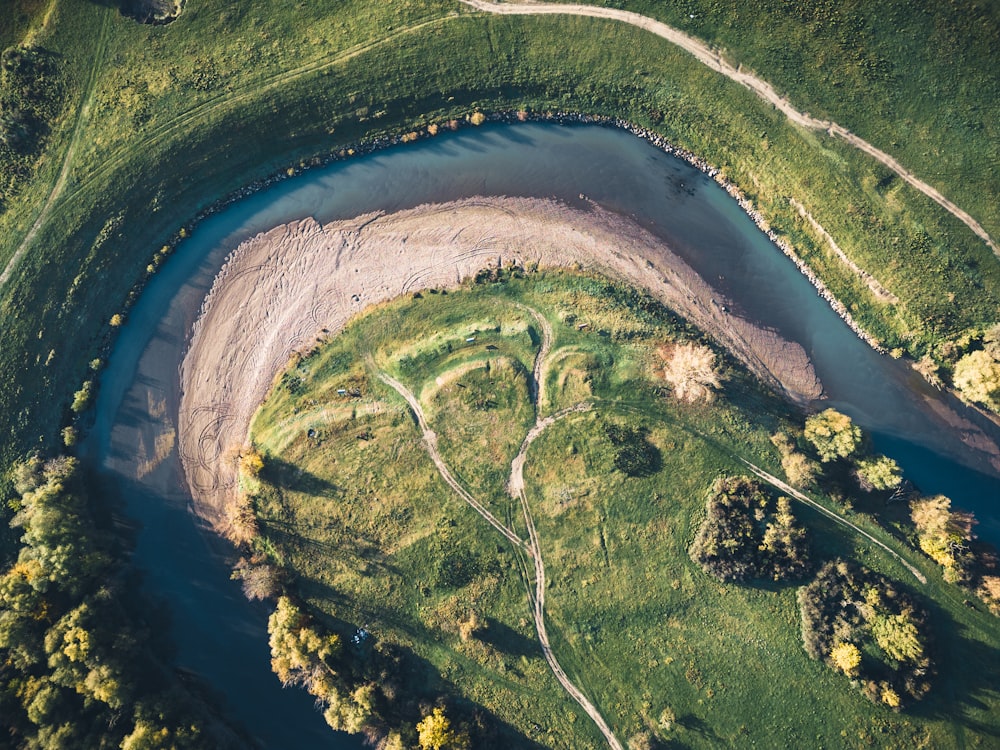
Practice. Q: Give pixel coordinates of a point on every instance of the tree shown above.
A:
(977, 376)
(878, 473)
(435, 733)
(81, 399)
(833, 435)
(746, 535)
(943, 534)
(846, 657)
(898, 637)
(690, 371)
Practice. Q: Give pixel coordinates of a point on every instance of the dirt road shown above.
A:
(707, 56)
(515, 487)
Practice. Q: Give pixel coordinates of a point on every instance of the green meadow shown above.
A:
(158, 123)
(351, 506)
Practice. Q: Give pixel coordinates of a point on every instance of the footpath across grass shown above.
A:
(352, 507)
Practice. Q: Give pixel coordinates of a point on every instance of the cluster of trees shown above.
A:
(746, 534)
(970, 363)
(76, 667)
(943, 534)
(837, 440)
(947, 537)
(358, 694)
(861, 624)
(30, 99)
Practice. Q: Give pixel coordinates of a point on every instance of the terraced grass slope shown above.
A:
(371, 535)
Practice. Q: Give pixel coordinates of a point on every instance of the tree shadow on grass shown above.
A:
(505, 639)
(967, 670)
(288, 476)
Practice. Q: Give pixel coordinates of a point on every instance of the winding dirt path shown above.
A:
(515, 487)
(82, 118)
(707, 56)
(785, 487)
(430, 440)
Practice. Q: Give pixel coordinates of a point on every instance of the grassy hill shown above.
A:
(351, 506)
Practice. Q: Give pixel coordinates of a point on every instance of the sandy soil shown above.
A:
(281, 289)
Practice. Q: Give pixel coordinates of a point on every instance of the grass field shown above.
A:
(352, 505)
(183, 114)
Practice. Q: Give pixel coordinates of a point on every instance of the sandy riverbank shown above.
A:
(279, 290)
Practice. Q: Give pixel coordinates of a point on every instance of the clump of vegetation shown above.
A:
(944, 535)
(746, 534)
(977, 374)
(947, 537)
(800, 470)
(30, 100)
(863, 625)
(833, 435)
(435, 732)
(878, 473)
(76, 668)
(690, 371)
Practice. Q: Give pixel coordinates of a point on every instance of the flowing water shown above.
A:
(221, 636)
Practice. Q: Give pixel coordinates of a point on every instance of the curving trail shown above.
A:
(82, 119)
(707, 56)
(515, 487)
(430, 440)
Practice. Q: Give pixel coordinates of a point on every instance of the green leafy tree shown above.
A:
(833, 435)
(878, 473)
(977, 376)
(435, 732)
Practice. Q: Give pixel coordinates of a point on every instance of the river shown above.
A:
(221, 636)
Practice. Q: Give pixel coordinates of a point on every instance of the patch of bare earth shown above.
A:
(280, 289)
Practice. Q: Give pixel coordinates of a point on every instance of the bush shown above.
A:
(748, 535)
(833, 435)
(861, 624)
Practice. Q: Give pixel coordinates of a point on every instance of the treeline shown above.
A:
(747, 534)
(31, 98)
(358, 685)
(845, 463)
(76, 666)
(862, 624)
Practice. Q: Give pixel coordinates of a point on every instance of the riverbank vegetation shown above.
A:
(80, 666)
(147, 126)
(428, 602)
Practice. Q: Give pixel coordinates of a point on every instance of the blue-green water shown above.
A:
(221, 636)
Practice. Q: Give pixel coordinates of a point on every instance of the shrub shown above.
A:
(861, 624)
(833, 435)
(690, 371)
(747, 535)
